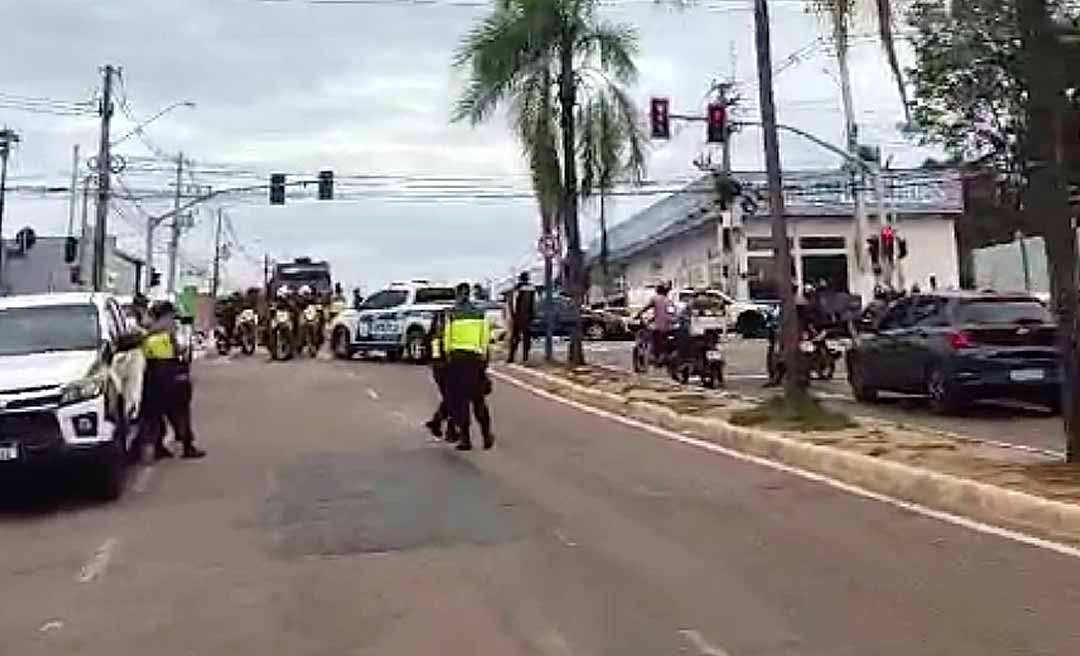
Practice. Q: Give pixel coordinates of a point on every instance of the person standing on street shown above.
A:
(167, 385)
(437, 356)
(467, 339)
(522, 306)
(663, 320)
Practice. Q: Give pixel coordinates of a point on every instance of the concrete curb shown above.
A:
(945, 492)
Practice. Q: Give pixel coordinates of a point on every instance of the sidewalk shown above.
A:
(1019, 489)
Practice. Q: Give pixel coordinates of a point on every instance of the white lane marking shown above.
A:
(698, 641)
(51, 625)
(373, 394)
(142, 479)
(97, 565)
(940, 515)
(561, 537)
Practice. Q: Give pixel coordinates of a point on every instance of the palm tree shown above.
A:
(540, 56)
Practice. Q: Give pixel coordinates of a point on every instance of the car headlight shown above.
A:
(85, 389)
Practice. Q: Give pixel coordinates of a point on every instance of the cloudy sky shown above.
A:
(365, 89)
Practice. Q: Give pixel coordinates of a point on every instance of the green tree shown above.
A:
(551, 61)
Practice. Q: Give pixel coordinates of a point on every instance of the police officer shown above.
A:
(167, 384)
(467, 338)
(522, 304)
(437, 356)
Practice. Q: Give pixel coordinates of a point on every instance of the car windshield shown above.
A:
(385, 299)
(52, 328)
(1003, 311)
(435, 295)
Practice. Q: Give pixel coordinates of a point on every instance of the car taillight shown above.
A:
(961, 339)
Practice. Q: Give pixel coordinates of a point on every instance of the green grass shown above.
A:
(803, 413)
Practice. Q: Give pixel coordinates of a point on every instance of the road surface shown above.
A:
(325, 522)
(1014, 423)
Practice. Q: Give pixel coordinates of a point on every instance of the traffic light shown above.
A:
(901, 248)
(155, 278)
(888, 242)
(75, 275)
(25, 239)
(717, 131)
(326, 185)
(71, 250)
(873, 246)
(659, 118)
(277, 188)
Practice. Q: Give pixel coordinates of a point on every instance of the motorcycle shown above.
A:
(282, 341)
(247, 330)
(644, 353)
(222, 341)
(698, 348)
(311, 330)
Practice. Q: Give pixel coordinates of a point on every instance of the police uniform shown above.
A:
(466, 339)
(437, 356)
(167, 391)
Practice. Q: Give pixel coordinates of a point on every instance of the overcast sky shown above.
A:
(366, 89)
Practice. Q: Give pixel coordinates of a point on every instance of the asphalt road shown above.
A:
(325, 522)
(1013, 423)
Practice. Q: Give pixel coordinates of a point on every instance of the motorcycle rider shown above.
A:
(663, 320)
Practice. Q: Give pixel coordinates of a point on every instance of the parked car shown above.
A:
(959, 347)
(70, 385)
(596, 324)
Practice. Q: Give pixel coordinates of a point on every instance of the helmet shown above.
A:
(283, 291)
(305, 290)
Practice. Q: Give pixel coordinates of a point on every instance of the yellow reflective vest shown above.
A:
(467, 330)
(158, 346)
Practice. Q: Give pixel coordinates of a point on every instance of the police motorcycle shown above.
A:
(311, 324)
(282, 334)
(701, 329)
(247, 330)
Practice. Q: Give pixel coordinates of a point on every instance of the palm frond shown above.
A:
(616, 45)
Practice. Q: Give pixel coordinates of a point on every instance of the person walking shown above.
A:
(521, 308)
(437, 357)
(467, 339)
(167, 385)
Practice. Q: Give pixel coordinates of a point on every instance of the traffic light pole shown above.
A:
(174, 236)
(104, 170)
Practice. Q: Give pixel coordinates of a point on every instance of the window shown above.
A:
(435, 295)
(821, 243)
(49, 328)
(761, 279)
(763, 243)
(896, 316)
(1003, 310)
(385, 299)
(927, 311)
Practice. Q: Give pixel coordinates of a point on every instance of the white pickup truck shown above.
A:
(747, 318)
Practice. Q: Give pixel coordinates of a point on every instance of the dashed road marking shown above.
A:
(701, 645)
(96, 567)
(51, 625)
(561, 537)
(940, 515)
(373, 394)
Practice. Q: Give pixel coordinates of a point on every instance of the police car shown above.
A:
(394, 321)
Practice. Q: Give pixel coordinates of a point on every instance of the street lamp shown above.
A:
(139, 128)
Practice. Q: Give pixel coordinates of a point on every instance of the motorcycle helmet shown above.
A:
(283, 292)
(305, 291)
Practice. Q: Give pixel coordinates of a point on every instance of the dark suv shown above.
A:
(958, 347)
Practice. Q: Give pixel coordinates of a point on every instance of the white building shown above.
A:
(689, 239)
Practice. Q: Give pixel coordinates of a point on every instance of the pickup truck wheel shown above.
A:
(750, 324)
(414, 347)
(339, 343)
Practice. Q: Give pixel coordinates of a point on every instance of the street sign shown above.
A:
(186, 305)
(548, 246)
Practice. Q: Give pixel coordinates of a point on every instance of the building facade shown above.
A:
(692, 239)
(43, 268)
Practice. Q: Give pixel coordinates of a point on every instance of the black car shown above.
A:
(595, 324)
(959, 347)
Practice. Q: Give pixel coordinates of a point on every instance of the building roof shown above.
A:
(914, 192)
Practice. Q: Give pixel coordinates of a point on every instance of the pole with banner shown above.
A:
(548, 247)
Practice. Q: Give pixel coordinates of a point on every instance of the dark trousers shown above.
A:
(520, 335)
(438, 373)
(464, 389)
(163, 403)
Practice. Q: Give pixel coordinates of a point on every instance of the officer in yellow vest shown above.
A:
(466, 339)
(437, 357)
(167, 384)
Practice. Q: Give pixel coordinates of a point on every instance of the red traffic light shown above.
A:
(660, 118)
(717, 117)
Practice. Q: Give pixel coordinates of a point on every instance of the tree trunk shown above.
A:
(789, 331)
(1046, 196)
(574, 257)
(604, 266)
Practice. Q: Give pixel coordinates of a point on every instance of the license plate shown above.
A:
(9, 452)
(384, 328)
(835, 344)
(1024, 375)
(714, 356)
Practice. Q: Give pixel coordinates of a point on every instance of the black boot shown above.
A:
(192, 452)
(161, 453)
(489, 439)
(465, 443)
(435, 426)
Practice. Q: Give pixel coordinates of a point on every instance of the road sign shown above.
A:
(548, 246)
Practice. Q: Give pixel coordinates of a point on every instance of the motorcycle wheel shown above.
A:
(715, 376)
(641, 362)
(247, 342)
(282, 349)
(223, 346)
(828, 370)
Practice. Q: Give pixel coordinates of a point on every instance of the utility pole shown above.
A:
(74, 199)
(7, 139)
(84, 230)
(174, 237)
(104, 170)
(215, 279)
(789, 331)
